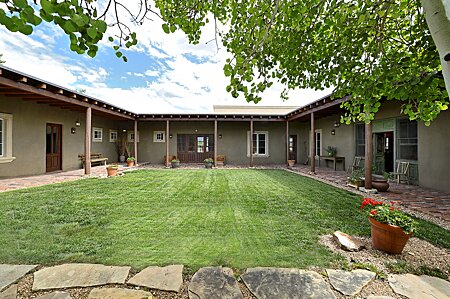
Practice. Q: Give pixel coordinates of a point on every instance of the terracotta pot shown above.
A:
(208, 165)
(380, 185)
(111, 171)
(291, 163)
(175, 164)
(388, 238)
(130, 163)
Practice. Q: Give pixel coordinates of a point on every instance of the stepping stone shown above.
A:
(214, 283)
(168, 278)
(350, 283)
(420, 287)
(78, 275)
(9, 293)
(269, 283)
(347, 242)
(379, 297)
(115, 293)
(56, 295)
(12, 273)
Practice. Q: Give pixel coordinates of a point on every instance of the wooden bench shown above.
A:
(220, 160)
(95, 159)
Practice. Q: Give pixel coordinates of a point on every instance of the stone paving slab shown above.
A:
(116, 293)
(78, 275)
(283, 283)
(420, 287)
(347, 242)
(56, 295)
(11, 273)
(214, 283)
(9, 293)
(350, 283)
(169, 278)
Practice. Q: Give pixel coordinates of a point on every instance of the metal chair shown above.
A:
(402, 174)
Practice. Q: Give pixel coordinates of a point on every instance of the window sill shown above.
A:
(259, 156)
(159, 141)
(7, 159)
(97, 140)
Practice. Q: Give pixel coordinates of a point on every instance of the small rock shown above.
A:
(168, 278)
(78, 275)
(12, 273)
(56, 295)
(269, 283)
(116, 293)
(214, 282)
(350, 283)
(347, 242)
(420, 287)
(9, 293)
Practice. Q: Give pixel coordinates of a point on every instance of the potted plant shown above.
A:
(175, 163)
(390, 227)
(112, 169)
(208, 162)
(291, 163)
(356, 179)
(381, 182)
(332, 151)
(130, 161)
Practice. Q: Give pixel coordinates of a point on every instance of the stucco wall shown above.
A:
(29, 137)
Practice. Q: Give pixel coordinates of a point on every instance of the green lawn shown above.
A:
(238, 218)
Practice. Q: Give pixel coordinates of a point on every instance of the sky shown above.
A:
(164, 73)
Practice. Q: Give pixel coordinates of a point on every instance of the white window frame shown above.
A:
(7, 136)
(266, 144)
(97, 139)
(2, 137)
(111, 139)
(155, 134)
(129, 133)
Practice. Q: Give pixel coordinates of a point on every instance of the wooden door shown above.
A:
(293, 147)
(194, 148)
(53, 147)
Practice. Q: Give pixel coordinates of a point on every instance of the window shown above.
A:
(113, 136)
(318, 143)
(406, 139)
(6, 121)
(97, 134)
(159, 136)
(360, 136)
(260, 143)
(131, 136)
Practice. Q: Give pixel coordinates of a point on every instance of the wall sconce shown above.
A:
(124, 130)
(220, 136)
(73, 130)
(333, 132)
(170, 136)
(77, 123)
(337, 124)
(195, 130)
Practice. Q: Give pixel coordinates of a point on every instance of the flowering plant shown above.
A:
(388, 214)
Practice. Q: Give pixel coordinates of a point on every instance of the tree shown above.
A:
(370, 50)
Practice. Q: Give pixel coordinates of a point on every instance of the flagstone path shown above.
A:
(111, 282)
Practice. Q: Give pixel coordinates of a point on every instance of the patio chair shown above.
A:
(358, 163)
(402, 174)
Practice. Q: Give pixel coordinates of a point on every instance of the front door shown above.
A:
(194, 148)
(53, 147)
(384, 152)
(293, 147)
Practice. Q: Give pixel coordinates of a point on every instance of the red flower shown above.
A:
(391, 208)
(373, 212)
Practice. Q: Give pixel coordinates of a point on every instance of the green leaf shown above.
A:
(101, 26)
(119, 54)
(166, 28)
(26, 29)
(20, 3)
(111, 39)
(92, 53)
(92, 32)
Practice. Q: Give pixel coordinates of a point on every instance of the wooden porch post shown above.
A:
(312, 144)
(135, 142)
(167, 143)
(251, 143)
(368, 157)
(87, 142)
(287, 142)
(215, 142)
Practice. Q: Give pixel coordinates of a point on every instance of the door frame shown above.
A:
(47, 168)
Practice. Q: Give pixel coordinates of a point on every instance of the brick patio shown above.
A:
(423, 200)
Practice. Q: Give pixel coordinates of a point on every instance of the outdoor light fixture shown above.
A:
(77, 123)
(333, 132)
(337, 124)
(195, 130)
(124, 130)
(170, 136)
(73, 130)
(220, 136)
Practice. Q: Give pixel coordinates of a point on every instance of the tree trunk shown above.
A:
(437, 15)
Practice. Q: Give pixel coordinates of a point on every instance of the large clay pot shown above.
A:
(380, 185)
(130, 163)
(121, 159)
(291, 163)
(388, 238)
(111, 171)
(209, 165)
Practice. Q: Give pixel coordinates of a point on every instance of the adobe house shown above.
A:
(45, 127)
